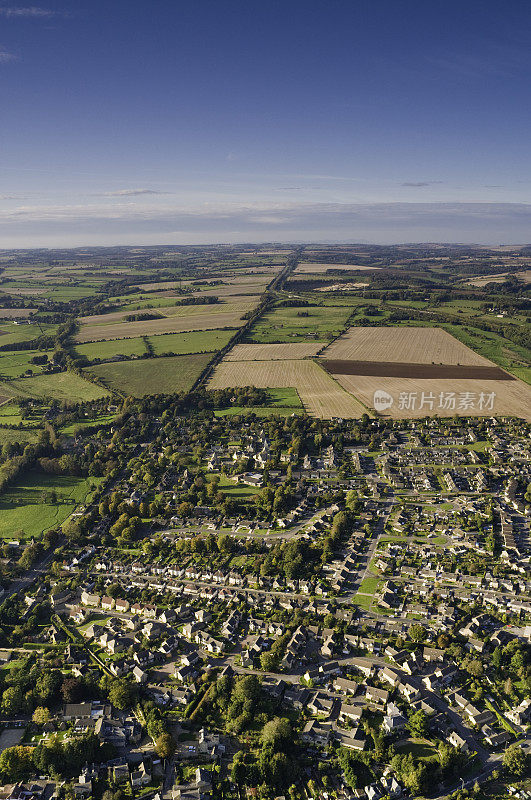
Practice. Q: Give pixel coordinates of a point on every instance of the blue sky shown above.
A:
(166, 121)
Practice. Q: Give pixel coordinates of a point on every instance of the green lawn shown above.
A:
(22, 507)
(235, 490)
(153, 375)
(104, 419)
(282, 403)
(420, 748)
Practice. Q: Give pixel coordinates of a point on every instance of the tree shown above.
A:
(418, 723)
(269, 661)
(11, 701)
(164, 745)
(122, 694)
(16, 763)
(280, 770)
(276, 733)
(417, 632)
(238, 772)
(516, 761)
(41, 715)
(71, 690)
(475, 667)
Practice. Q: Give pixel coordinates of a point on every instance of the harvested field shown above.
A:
(155, 375)
(510, 397)
(315, 268)
(403, 345)
(393, 369)
(174, 324)
(16, 313)
(274, 352)
(321, 395)
(224, 307)
(482, 280)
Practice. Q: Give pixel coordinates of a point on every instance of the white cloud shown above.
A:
(6, 56)
(132, 192)
(25, 11)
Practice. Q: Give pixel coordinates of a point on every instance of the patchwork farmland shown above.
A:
(424, 372)
(321, 395)
(125, 330)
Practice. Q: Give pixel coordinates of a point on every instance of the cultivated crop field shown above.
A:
(413, 345)
(320, 394)
(153, 376)
(126, 330)
(274, 352)
(512, 397)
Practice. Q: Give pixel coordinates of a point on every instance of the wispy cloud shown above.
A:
(419, 184)
(6, 56)
(132, 192)
(26, 11)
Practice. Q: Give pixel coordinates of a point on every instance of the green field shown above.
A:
(14, 363)
(235, 490)
(22, 507)
(58, 386)
(10, 414)
(153, 375)
(510, 356)
(282, 403)
(10, 332)
(18, 435)
(108, 349)
(191, 342)
(287, 325)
